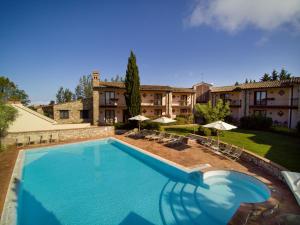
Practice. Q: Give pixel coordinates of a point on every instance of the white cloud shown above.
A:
(234, 15)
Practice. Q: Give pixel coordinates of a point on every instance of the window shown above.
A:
(183, 100)
(84, 114)
(109, 97)
(109, 116)
(260, 112)
(225, 97)
(157, 112)
(183, 111)
(260, 98)
(157, 99)
(64, 114)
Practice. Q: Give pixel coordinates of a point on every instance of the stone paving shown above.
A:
(194, 154)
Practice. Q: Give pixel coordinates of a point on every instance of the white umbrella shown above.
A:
(164, 120)
(139, 118)
(220, 125)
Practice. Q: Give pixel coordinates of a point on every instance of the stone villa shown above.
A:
(276, 99)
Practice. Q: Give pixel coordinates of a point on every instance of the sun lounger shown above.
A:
(293, 181)
(158, 137)
(214, 145)
(35, 139)
(167, 138)
(208, 142)
(54, 137)
(177, 141)
(150, 135)
(21, 140)
(234, 154)
(227, 150)
(45, 138)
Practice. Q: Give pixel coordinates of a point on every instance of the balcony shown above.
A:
(235, 103)
(112, 102)
(291, 103)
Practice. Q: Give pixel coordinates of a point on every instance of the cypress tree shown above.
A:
(132, 87)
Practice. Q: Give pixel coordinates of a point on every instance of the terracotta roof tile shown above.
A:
(265, 84)
(146, 87)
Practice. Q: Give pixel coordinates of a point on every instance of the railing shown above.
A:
(272, 102)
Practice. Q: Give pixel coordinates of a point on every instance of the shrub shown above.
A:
(204, 131)
(184, 119)
(124, 126)
(256, 122)
(150, 125)
(298, 126)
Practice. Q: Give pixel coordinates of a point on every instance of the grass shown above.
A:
(181, 129)
(282, 149)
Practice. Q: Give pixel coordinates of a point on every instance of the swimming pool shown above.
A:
(108, 182)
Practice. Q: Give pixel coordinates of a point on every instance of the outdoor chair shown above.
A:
(176, 142)
(150, 135)
(227, 150)
(34, 139)
(54, 137)
(158, 137)
(214, 145)
(167, 138)
(208, 142)
(45, 138)
(21, 140)
(236, 154)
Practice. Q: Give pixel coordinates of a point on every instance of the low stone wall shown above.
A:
(265, 164)
(64, 135)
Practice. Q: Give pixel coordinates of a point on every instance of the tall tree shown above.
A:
(9, 91)
(283, 75)
(210, 113)
(7, 115)
(246, 81)
(132, 87)
(274, 75)
(265, 77)
(236, 83)
(85, 88)
(64, 95)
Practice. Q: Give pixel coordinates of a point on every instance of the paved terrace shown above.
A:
(190, 156)
(194, 154)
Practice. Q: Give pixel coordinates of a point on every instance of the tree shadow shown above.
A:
(283, 150)
(29, 210)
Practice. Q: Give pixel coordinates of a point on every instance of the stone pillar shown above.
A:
(96, 98)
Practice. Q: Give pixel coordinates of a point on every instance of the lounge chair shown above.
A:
(35, 139)
(167, 138)
(158, 137)
(215, 145)
(227, 150)
(45, 138)
(131, 132)
(21, 140)
(54, 137)
(177, 141)
(208, 142)
(235, 154)
(150, 135)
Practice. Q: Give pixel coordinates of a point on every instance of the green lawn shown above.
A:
(282, 149)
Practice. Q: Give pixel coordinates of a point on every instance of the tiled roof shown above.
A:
(146, 87)
(265, 84)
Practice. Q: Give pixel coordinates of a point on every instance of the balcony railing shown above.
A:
(272, 102)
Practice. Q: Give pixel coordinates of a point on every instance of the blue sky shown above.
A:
(48, 44)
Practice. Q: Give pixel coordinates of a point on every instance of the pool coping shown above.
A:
(9, 214)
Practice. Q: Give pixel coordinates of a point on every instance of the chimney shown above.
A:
(95, 76)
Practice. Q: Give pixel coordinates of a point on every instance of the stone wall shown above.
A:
(265, 164)
(74, 109)
(64, 135)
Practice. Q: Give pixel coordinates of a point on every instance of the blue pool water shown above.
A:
(107, 182)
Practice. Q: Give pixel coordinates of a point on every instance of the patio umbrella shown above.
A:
(220, 125)
(164, 120)
(139, 118)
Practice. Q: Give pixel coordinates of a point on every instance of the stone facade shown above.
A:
(64, 135)
(80, 111)
(275, 99)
